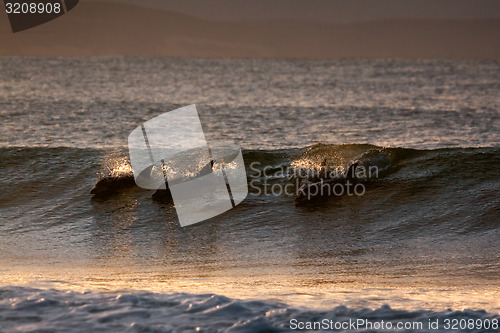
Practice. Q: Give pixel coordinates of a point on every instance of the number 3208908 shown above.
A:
(33, 8)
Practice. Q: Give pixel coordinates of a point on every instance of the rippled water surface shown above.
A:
(96, 102)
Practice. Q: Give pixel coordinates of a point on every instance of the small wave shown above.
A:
(464, 180)
(26, 309)
(391, 164)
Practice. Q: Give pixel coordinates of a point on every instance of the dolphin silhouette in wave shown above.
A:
(312, 188)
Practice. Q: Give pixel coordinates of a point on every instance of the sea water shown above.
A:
(421, 244)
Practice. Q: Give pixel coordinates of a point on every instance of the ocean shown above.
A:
(420, 245)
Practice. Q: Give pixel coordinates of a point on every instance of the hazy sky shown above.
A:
(332, 11)
(102, 27)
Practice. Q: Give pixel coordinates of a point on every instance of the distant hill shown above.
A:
(102, 28)
(327, 11)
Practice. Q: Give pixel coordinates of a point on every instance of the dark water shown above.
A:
(422, 238)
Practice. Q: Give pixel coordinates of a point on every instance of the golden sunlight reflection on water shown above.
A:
(352, 291)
